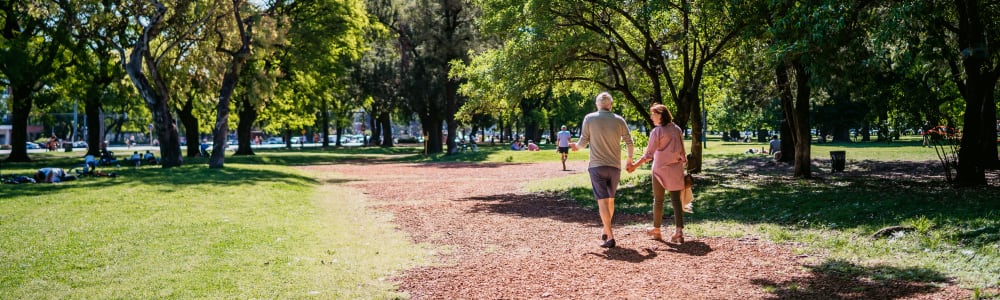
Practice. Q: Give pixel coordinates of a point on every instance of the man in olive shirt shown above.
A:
(604, 131)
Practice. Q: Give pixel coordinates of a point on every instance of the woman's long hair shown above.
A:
(665, 116)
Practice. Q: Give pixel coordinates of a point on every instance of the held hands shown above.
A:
(573, 146)
(630, 166)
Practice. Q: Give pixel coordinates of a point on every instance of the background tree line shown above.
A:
(528, 66)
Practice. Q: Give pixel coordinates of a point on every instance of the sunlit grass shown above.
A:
(245, 231)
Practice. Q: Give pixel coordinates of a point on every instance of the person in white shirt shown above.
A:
(563, 147)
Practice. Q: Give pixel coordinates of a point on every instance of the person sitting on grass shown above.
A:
(149, 158)
(136, 160)
(532, 146)
(516, 146)
(107, 157)
(89, 163)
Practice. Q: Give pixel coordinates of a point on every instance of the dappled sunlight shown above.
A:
(844, 280)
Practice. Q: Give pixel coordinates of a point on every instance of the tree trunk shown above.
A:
(451, 102)
(21, 103)
(980, 80)
(797, 110)
(220, 132)
(376, 127)
(248, 115)
(92, 109)
(989, 115)
(800, 123)
(153, 90)
(229, 81)
(187, 117)
(373, 127)
(386, 123)
(972, 151)
(432, 127)
(787, 144)
(697, 145)
(340, 133)
(325, 124)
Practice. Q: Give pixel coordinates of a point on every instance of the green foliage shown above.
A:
(639, 141)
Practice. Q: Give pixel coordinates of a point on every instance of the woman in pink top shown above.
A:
(666, 150)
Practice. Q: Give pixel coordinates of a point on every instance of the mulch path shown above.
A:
(498, 242)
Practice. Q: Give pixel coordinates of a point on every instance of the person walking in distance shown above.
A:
(563, 139)
(604, 131)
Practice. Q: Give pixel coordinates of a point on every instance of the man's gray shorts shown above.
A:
(604, 181)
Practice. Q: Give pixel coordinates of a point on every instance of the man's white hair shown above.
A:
(604, 100)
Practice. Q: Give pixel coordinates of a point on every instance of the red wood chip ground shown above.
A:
(498, 242)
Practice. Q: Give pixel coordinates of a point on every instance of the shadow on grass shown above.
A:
(169, 179)
(874, 196)
(843, 280)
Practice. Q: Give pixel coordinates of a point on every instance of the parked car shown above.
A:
(275, 140)
(31, 145)
(79, 144)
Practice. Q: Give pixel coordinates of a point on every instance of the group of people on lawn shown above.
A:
(90, 163)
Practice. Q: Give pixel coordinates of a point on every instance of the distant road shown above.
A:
(119, 150)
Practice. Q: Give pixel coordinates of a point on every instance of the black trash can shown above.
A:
(68, 146)
(838, 159)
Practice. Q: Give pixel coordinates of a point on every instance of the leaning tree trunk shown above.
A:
(153, 89)
(221, 130)
(238, 59)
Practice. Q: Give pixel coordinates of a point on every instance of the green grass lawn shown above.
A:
(250, 230)
(261, 229)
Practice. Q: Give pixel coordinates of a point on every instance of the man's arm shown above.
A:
(629, 144)
(584, 136)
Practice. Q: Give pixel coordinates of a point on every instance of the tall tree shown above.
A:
(805, 40)
(432, 34)
(961, 37)
(649, 52)
(322, 38)
(160, 31)
(238, 52)
(377, 74)
(33, 40)
(96, 71)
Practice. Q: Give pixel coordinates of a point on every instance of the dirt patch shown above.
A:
(502, 243)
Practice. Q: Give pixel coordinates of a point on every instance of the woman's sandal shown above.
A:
(677, 238)
(654, 233)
